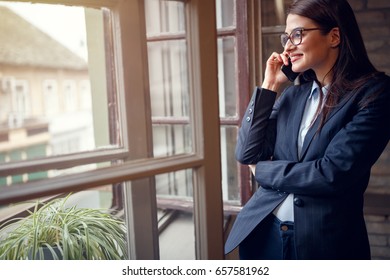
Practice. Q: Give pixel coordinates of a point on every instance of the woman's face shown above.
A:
(317, 51)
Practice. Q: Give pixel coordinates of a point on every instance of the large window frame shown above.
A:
(137, 165)
(240, 31)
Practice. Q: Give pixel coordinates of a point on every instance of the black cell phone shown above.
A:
(286, 69)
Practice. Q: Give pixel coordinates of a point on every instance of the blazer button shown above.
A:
(298, 202)
(248, 119)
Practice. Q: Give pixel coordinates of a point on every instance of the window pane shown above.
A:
(227, 77)
(226, 13)
(176, 238)
(164, 16)
(168, 74)
(53, 90)
(169, 77)
(273, 12)
(170, 106)
(177, 184)
(230, 180)
(175, 218)
(171, 139)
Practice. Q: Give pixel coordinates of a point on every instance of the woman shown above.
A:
(311, 151)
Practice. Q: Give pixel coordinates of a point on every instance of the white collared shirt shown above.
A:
(285, 211)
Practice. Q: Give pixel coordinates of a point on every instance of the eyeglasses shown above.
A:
(295, 36)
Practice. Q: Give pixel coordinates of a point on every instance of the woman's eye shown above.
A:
(297, 35)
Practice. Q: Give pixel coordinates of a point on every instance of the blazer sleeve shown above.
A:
(349, 155)
(256, 137)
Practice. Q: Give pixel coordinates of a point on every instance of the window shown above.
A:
(85, 95)
(136, 144)
(70, 96)
(234, 91)
(50, 98)
(248, 32)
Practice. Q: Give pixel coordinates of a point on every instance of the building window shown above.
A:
(50, 98)
(70, 96)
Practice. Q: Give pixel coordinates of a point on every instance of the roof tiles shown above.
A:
(21, 43)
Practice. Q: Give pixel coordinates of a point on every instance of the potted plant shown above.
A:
(54, 231)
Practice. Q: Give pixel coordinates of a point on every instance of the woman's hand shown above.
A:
(273, 76)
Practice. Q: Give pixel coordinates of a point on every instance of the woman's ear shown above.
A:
(334, 37)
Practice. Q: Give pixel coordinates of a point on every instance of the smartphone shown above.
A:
(286, 69)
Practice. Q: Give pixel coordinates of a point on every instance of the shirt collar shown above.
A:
(317, 86)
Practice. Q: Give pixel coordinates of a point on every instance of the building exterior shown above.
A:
(45, 98)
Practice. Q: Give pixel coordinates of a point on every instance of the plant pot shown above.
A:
(46, 254)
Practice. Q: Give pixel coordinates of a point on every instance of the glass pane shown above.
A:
(176, 184)
(53, 87)
(227, 77)
(273, 12)
(170, 106)
(226, 13)
(168, 75)
(230, 180)
(171, 139)
(164, 16)
(175, 219)
(177, 240)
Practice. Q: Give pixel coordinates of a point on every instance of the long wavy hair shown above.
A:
(353, 68)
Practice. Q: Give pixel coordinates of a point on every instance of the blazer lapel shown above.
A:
(339, 106)
(297, 119)
(313, 129)
(309, 136)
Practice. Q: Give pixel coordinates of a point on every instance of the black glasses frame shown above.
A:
(285, 37)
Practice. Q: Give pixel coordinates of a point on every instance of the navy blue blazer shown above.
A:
(328, 180)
